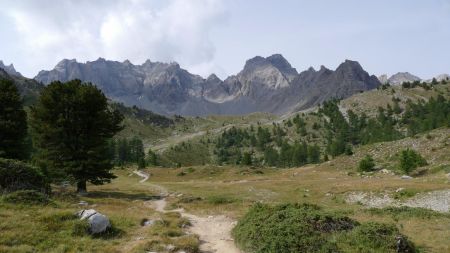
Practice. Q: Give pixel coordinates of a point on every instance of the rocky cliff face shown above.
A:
(268, 84)
(9, 69)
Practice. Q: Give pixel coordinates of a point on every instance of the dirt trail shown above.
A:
(214, 231)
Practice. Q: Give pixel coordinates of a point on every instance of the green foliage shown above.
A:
(407, 212)
(308, 228)
(219, 200)
(152, 158)
(247, 158)
(16, 175)
(26, 197)
(13, 122)
(289, 228)
(424, 116)
(366, 164)
(410, 159)
(374, 237)
(71, 125)
(124, 151)
(271, 156)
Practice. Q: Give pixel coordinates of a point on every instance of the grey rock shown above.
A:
(402, 77)
(406, 177)
(9, 69)
(383, 79)
(98, 223)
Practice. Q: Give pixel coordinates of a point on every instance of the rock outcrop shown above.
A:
(9, 69)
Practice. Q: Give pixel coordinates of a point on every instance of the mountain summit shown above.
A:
(268, 84)
(9, 69)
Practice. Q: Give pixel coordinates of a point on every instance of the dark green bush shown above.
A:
(16, 175)
(27, 197)
(410, 159)
(289, 228)
(366, 164)
(374, 237)
(307, 228)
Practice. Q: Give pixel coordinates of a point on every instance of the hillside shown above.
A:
(310, 127)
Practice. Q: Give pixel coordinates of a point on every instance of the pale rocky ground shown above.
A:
(434, 200)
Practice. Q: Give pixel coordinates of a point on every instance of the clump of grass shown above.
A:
(26, 197)
(220, 200)
(169, 231)
(404, 194)
(407, 212)
(445, 168)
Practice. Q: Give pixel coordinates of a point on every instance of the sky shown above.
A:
(218, 36)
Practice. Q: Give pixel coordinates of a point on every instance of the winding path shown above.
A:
(214, 231)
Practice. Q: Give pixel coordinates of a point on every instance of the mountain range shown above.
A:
(265, 84)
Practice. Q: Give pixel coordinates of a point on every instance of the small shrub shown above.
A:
(188, 243)
(366, 164)
(27, 197)
(410, 159)
(408, 193)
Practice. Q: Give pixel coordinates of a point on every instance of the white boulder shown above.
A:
(98, 222)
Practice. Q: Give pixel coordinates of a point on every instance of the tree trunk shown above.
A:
(81, 187)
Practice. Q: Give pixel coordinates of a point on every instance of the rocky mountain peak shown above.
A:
(9, 69)
(402, 77)
(213, 78)
(349, 65)
(282, 64)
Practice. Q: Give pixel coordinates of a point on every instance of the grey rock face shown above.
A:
(98, 222)
(9, 69)
(268, 84)
(383, 79)
(402, 77)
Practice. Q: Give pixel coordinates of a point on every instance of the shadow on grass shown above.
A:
(122, 195)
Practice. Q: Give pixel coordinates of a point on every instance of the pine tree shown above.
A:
(152, 158)
(13, 122)
(71, 125)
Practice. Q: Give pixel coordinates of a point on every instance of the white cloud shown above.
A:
(176, 30)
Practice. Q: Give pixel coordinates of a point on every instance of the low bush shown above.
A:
(289, 228)
(308, 228)
(16, 175)
(374, 237)
(27, 197)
